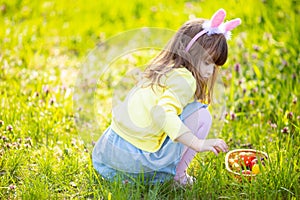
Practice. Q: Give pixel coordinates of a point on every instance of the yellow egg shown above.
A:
(255, 169)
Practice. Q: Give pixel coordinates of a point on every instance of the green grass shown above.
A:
(42, 47)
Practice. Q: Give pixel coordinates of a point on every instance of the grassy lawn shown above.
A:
(44, 45)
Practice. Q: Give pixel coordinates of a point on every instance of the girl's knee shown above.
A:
(201, 115)
(200, 119)
(204, 115)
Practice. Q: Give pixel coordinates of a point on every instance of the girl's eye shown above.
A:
(206, 63)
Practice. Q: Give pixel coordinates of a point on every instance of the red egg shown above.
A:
(246, 159)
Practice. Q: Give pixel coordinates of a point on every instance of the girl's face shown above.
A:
(207, 68)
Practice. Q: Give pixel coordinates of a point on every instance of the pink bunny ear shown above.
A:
(218, 18)
(232, 24)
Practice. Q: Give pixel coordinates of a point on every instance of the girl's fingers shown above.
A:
(219, 149)
(221, 146)
(224, 146)
(216, 146)
(213, 149)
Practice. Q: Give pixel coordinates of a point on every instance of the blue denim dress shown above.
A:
(114, 157)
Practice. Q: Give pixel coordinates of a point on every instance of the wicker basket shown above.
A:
(232, 153)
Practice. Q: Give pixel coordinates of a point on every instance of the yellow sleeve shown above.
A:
(180, 90)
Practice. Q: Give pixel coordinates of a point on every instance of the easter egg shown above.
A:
(236, 167)
(253, 162)
(255, 169)
(246, 159)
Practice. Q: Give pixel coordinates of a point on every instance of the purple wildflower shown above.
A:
(8, 145)
(36, 94)
(255, 90)
(46, 89)
(237, 67)
(9, 128)
(73, 142)
(285, 130)
(295, 100)
(232, 116)
(273, 125)
(256, 47)
(12, 187)
(284, 63)
(4, 138)
(240, 81)
(52, 101)
(290, 115)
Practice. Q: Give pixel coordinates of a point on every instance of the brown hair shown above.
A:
(213, 47)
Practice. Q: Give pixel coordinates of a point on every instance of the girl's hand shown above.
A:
(214, 145)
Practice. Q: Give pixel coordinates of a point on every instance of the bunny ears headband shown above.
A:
(216, 26)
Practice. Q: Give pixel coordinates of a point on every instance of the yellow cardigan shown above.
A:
(147, 116)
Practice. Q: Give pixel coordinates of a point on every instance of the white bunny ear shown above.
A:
(218, 18)
(228, 26)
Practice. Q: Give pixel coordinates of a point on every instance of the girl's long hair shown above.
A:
(207, 48)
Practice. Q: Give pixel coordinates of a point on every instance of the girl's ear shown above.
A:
(232, 24)
(218, 18)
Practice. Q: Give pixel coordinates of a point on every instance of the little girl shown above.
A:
(160, 126)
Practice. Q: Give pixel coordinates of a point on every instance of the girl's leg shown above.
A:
(199, 123)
